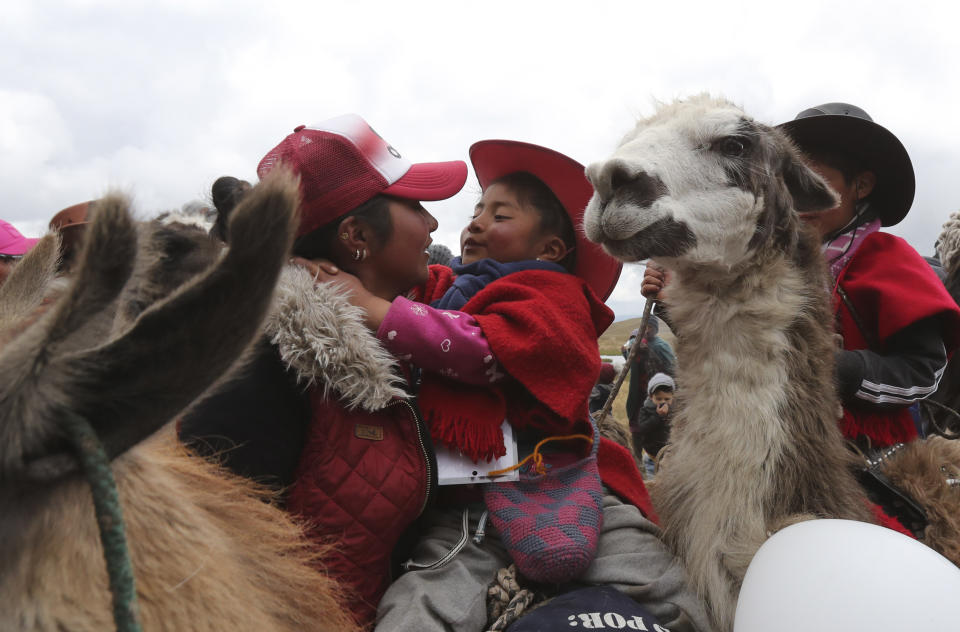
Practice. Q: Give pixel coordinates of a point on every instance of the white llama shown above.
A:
(711, 194)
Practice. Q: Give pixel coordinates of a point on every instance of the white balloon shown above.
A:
(824, 575)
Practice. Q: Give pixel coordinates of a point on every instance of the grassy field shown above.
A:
(615, 335)
(618, 333)
(610, 343)
(619, 410)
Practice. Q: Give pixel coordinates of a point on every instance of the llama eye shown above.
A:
(732, 145)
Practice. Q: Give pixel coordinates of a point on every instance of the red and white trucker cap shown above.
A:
(342, 163)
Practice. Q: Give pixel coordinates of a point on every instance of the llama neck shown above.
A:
(759, 298)
(734, 346)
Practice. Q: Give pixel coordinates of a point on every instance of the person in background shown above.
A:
(439, 255)
(937, 412)
(13, 246)
(899, 325)
(602, 389)
(651, 432)
(897, 322)
(653, 356)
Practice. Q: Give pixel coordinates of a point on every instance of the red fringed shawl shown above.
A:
(891, 287)
(542, 327)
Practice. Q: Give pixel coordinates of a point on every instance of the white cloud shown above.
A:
(163, 97)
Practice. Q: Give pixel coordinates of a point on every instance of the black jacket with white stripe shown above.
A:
(907, 372)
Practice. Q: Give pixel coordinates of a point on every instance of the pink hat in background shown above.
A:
(12, 243)
(342, 163)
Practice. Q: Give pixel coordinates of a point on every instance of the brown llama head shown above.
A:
(129, 373)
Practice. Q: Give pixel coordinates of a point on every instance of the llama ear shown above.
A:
(34, 386)
(24, 289)
(181, 345)
(810, 192)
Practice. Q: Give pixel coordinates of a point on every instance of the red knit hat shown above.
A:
(342, 163)
(608, 373)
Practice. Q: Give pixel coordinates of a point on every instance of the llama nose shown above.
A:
(638, 188)
(619, 177)
(598, 173)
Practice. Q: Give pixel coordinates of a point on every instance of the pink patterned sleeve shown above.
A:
(447, 342)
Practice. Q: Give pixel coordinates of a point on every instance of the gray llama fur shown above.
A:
(129, 343)
(755, 443)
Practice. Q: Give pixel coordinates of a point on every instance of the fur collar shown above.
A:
(323, 339)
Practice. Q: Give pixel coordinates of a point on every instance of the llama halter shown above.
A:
(95, 465)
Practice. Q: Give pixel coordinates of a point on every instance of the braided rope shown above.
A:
(948, 242)
(507, 600)
(106, 501)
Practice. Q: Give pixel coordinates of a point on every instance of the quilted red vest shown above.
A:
(363, 478)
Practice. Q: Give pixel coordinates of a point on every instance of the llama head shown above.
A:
(134, 339)
(700, 182)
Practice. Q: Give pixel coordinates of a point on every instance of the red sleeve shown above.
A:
(892, 287)
(543, 328)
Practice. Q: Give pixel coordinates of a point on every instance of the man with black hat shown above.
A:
(897, 321)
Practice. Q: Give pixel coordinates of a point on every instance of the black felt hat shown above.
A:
(849, 130)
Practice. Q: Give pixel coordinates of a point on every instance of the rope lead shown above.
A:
(106, 502)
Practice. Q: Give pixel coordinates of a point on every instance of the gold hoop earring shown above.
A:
(344, 236)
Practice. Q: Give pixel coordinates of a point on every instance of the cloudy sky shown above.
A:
(160, 98)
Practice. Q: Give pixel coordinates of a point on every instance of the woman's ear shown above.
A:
(553, 249)
(864, 182)
(352, 235)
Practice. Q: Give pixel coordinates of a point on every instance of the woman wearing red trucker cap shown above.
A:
(324, 411)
